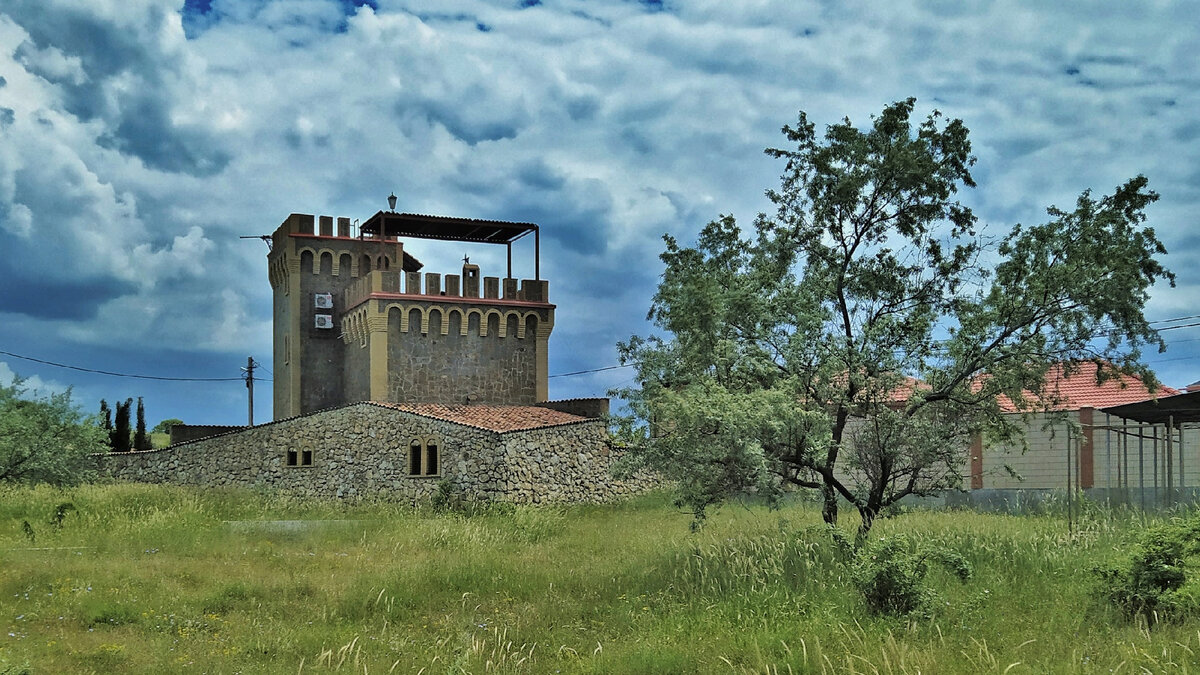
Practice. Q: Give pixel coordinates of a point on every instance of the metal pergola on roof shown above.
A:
(417, 226)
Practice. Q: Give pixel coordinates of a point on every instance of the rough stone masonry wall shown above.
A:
(362, 450)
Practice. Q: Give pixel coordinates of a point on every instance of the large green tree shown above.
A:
(851, 342)
(45, 439)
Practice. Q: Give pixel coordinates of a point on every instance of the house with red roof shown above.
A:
(1071, 441)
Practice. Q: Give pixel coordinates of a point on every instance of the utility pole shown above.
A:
(250, 387)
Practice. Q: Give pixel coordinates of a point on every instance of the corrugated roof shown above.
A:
(498, 418)
(1080, 390)
(421, 226)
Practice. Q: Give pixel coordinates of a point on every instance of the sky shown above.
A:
(140, 139)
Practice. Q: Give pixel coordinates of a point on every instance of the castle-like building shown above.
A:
(388, 381)
(356, 320)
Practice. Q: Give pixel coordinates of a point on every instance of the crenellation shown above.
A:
(535, 290)
(433, 283)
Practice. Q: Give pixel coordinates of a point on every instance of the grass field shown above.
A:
(148, 579)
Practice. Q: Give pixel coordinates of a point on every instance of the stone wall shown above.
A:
(484, 366)
(361, 450)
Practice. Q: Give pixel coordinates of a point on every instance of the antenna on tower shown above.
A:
(264, 237)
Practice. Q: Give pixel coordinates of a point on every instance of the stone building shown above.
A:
(356, 320)
(387, 379)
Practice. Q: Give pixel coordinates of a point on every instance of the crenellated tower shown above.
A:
(356, 320)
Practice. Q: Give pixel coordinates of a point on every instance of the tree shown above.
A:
(164, 427)
(120, 434)
(141, 440)
(853, 344)
(45, 439)
(106, 421)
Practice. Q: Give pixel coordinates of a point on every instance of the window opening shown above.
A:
(431, 459)
(291, 458)
(306, 458)
(414, 459)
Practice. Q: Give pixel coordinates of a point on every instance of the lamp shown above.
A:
(392, 202)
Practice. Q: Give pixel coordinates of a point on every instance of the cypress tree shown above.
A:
(106, 420)
(141, 440)
(121, 427)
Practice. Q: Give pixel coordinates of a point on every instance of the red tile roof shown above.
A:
(498, 418)
(1079, 389)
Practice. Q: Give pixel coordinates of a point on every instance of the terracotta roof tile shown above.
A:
(1079, 389)
(498, 418)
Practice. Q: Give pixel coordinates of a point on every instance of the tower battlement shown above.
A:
(356, 319)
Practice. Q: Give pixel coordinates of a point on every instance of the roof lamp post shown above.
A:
(392, 202)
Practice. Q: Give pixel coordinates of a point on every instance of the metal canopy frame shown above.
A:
(1176, 410)
(391, 224)
(1175, 415)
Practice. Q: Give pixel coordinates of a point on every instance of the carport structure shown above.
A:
(1149, 453)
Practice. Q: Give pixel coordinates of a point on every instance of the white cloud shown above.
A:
(134, 158)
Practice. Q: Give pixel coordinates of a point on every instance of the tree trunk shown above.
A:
(868, 514)
(829, 512)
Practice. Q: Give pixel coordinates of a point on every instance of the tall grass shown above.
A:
(158, 579)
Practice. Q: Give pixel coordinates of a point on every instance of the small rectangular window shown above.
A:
(291, 458)
(306, 458)
(431, 460)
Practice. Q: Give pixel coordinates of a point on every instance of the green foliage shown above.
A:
(141, 440)
(446, 497)
(1159, 581)
(45, 439)
(164, 427)
(106, 422)
(891, 574)
(853, 342)
(120, 438)
(60, 514)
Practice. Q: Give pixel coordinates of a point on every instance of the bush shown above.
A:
(45, 439)
(1154, 582)
(890, 573)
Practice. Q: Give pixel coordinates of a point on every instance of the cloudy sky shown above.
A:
(140, 138)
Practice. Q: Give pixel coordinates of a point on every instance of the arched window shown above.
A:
(414, 458)
(424, 458)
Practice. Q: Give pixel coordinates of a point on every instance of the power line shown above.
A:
(1157, 330)
(591, 370)
(109, 372)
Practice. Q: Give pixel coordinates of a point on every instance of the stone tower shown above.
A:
(354, 319)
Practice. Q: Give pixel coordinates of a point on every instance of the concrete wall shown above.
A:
(1100, 457)
(362, 450)
(1043, 465)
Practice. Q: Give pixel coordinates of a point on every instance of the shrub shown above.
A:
(1154, 582)
(45, 438)
(890, 573)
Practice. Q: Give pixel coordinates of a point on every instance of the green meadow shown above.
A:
(153, 579)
